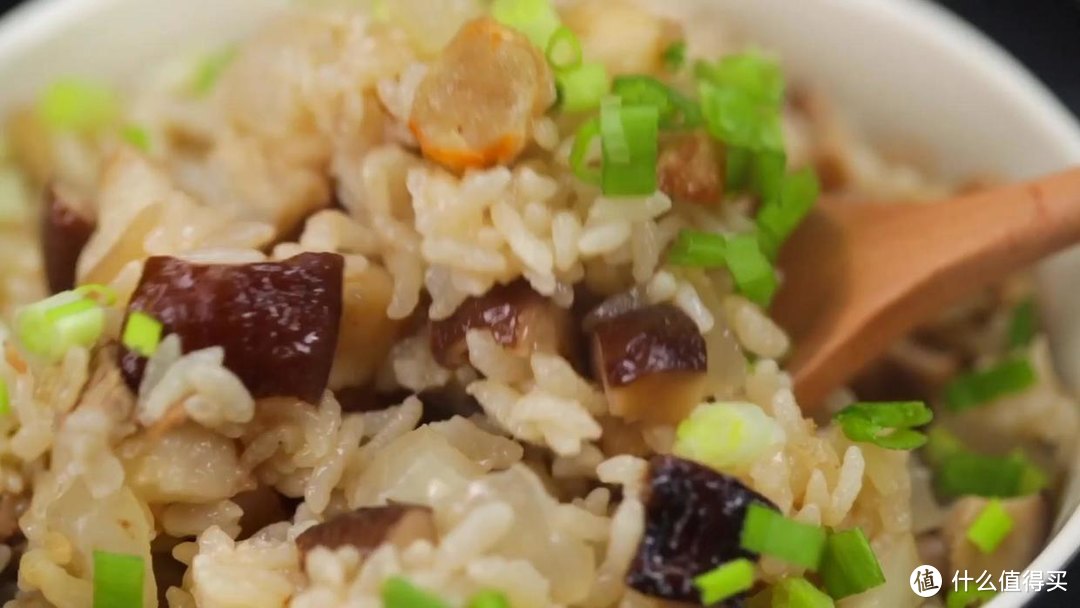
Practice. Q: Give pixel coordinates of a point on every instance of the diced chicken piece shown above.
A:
(65, 228)
(1031, 522)
(691, 169)
(476, 105)
(626, 38)
(368, 528)
(520, 319)
(366, 333)
(652, 362)
(277, 321)
(693, 519)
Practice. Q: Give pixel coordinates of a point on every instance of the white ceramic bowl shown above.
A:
(903, 70)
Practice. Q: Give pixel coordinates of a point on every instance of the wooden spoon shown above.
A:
(858, 276)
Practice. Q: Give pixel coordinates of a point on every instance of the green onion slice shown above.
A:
(78, 105)
(5, 398)
(136, 136)
(579, 153)
(1023, 324)
(536, 19)
(849, 565)
(118, 580)
(753, 75)
(726, 436)
(398, 592)
(489, 599)
(582, 88)
(965, 473)
(49, 328)
(754, 275)
(210, 69)
(769, 533)
(741, 254)
(990, 527)
(781, 215)
(629, 138)
(564, 49)
(674, 56)
(886, 424)
(724, 581)
(675, 109)
(142, 333)
(978, 388)
(799, 593)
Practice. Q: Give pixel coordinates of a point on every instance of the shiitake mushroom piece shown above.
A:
(519, 318)
(277, 321)
(65, 229)
(369, 527)
(693, 521)
(652, 362)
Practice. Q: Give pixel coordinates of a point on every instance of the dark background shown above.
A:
(1045, 36)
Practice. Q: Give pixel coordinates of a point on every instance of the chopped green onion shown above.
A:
(753, 274)
(674, 108)
(887, 424)
(5, 398)
(767, 532)
(699, 249)
(137, 136)
(51, 327)
(674, 56)
(210, 69)
(753, 75)
(799, 593)
(965, 598)
(724, 581)
(583, 87)
(941, 445)
(779, 216)
(965, 473)
(726, 435)
(78, 105)
(400, 593)
(489, 599)
(977, 388)
(990, 527)
(629, 138)
(738, 121)
(118, 580)
(1022, 325)
(579, 161)
(142, 333)
(849, 565)
(534, 18)
(564, 50)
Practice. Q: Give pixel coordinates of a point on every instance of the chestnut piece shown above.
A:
(277, 321)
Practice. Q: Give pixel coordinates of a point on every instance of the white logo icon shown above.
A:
(925, 581)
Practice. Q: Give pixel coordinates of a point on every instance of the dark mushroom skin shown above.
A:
(652, 362)
(277, 321)
(64, 232)
(519, 318)
(369, 527)
(693, 521)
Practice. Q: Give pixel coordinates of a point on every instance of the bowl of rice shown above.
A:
(466, 303)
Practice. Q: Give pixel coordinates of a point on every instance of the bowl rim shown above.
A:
(34, 20)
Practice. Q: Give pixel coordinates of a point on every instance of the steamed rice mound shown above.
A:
(309, 143)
